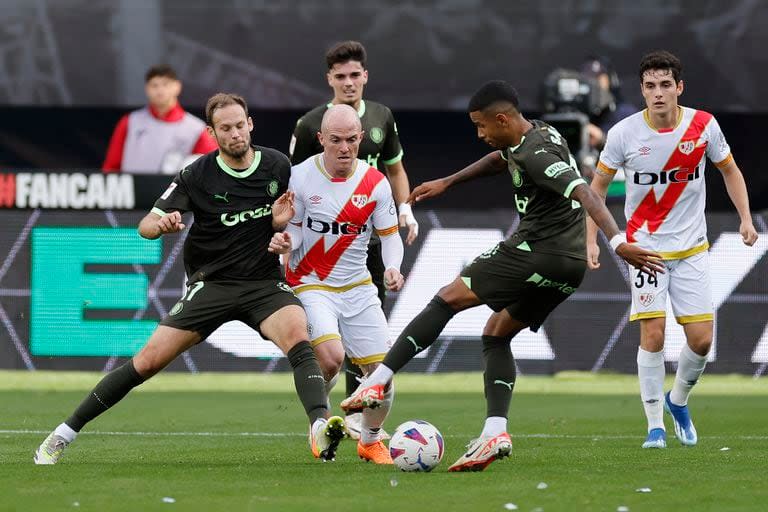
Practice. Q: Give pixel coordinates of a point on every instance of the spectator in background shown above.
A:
(616, 109)
(161, 137)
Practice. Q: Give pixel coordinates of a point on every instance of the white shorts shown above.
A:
(354, 315)
(686, 281)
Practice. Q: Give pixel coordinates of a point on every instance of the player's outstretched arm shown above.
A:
(599, 185)
(737, 191)
(648, 261)
(489, 165)
(154, 225)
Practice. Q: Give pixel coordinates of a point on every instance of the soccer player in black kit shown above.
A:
(523, 278)
(380, 147)
(238, 196)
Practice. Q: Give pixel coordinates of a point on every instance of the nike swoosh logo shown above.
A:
(415, 345)
(469, 454)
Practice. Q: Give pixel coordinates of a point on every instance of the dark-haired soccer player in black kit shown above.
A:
(238, 198)
(380, 147)
(524, 277)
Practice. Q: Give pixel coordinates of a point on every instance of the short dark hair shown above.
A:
(345, 51)
(661, 59)
(221, 100)
(163, 70)
(492, 92)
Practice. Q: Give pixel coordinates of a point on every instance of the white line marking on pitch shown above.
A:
(298, 434)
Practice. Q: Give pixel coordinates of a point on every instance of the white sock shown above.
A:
(373, 419)
(329, 384)
(494, 425)
(66, 432)
(381, 375)
(689, 369)
(650, 371)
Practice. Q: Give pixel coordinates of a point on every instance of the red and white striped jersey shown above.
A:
(337, 216)
(665, 178)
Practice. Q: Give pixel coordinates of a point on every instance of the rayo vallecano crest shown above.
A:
(686, 147)
(359, 200)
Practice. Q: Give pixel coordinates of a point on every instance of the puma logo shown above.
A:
(508, 384)
(222, 197)
(415, 345)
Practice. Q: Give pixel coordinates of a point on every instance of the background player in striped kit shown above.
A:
(662, 151)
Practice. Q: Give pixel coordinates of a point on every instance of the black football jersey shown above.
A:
(232, 211)
(380, 145)
(543, 176)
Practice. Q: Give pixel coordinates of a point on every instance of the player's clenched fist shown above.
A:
(280, 243)
(170, 223)
(393, 280)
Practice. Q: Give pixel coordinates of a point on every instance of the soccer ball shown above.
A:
(416, 446)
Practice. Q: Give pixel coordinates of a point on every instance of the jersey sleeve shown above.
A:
(718, 150)
(392, 151)
(385, 214)
(549, 171)
(303, 143)
(612, 155)
(295, 186)
(175, 198)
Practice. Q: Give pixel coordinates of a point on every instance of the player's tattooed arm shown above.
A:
(648, 261)
(491, 164)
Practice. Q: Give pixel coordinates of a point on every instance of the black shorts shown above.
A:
(528, 285)
(208, 304)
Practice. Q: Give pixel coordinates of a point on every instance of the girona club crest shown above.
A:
(686, 147)
(359, 200)
(646, 299)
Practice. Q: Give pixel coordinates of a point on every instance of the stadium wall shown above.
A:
(80, 290)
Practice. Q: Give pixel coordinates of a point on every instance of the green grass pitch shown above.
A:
(238, 443)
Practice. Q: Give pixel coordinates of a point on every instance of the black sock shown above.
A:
(110, 390)
(353, 373)
(419, 334)
(310, 384)
(499, 375)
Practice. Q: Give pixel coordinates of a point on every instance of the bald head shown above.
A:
(340, 117)
(340, 135)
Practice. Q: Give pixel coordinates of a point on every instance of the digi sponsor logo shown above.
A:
(664, 177)
(335, 228)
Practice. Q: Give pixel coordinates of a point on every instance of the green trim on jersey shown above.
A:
(513, 148)
(157, 211)
(394, 160)
(572, 185)
(242, 174)
(523, 246)
(360, 110)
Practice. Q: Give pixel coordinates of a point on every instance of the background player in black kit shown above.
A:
(524, 277)
(238, 198)
(347, 76)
